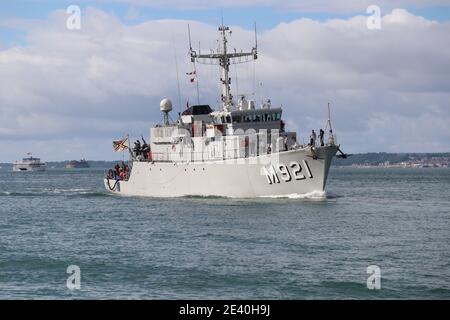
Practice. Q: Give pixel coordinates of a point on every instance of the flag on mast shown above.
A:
(120, 145)
(192, 76)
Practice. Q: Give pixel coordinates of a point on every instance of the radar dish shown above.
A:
(165, 105)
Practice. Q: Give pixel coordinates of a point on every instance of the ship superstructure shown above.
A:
(29, 164)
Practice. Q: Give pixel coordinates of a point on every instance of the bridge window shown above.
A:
(237, 118)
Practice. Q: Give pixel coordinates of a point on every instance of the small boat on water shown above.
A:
(75, 164)
(29, 164)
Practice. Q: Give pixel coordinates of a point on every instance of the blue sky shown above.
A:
(389, 88)
(266, 16)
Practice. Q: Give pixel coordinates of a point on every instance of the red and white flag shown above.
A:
(120, 145)
(192, 76)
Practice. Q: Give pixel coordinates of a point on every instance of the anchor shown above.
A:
(116, 184)
(342, 155)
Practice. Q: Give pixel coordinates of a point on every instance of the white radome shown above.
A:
(165, 105)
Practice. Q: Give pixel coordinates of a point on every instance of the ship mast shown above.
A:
(224, 59)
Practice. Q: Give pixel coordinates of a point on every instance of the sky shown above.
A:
(66, 93)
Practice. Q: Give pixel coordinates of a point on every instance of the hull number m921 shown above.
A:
(287, 173)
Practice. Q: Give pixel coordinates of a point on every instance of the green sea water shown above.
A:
(214, 248)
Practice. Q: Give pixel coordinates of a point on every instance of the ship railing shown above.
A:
(112, 175)
(328, 139)
(107, 176)
(195, 157)
(230, 154)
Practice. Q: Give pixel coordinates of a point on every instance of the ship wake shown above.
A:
(314, 195)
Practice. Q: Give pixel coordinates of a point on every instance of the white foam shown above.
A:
(314, 195)
(76, 190)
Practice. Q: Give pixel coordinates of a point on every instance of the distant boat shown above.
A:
(74, 164)
(29, 164)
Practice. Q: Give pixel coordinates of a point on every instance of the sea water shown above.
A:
(318, 246)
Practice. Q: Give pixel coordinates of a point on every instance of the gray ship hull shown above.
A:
(294, 172)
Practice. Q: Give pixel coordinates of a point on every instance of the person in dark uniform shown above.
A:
(312, 138)
(116, 171)
(145, 148)
(137, 148)
(321, 134)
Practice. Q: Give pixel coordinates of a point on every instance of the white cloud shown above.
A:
(389, 88)
(323, 6)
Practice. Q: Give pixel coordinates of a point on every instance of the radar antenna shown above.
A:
(224, 59)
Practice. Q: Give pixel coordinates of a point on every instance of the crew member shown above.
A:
(137, 148)
(313, 138)
(321, 133)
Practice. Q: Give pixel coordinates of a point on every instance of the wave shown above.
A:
(332, 195)
(81, 192)
(55, 192)
(203, 197)
(318, 195)
(314, 195)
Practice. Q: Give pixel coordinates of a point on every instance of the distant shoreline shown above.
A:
(396, 160)
(358, 160)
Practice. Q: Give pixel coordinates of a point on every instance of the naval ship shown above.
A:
(75, 164)
(240, 150)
